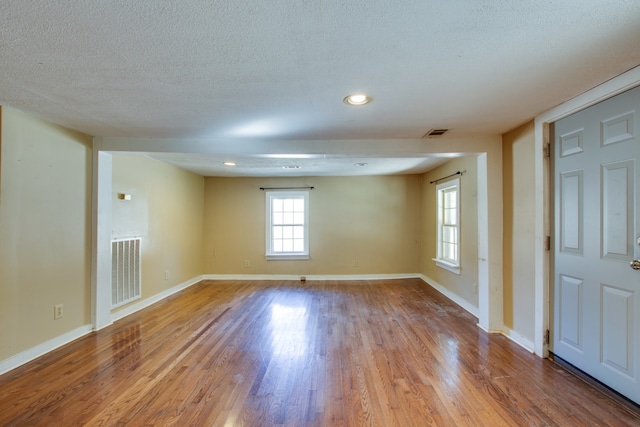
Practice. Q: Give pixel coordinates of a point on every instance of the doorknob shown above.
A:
(635, 264)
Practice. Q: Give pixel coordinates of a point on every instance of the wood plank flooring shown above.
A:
(240, 353)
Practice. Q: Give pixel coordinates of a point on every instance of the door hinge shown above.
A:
(546, 337)
(547, 243)
(547, 150)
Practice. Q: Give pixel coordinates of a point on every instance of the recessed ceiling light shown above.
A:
(229, 163)
(357, 99)
(360, 164)
(291, 167)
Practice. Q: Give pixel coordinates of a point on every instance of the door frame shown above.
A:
(543, 193)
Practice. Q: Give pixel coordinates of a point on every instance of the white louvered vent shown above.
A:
(125, 271)
(434, 132)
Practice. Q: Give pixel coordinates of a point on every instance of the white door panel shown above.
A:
(570, 305)
(617, 210)
(617, 330)
(596, 293)
(571, 221)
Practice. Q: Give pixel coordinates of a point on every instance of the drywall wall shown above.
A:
(166, 210)
(45, 234)
(519, 229)
(465, 284)
(358, 225)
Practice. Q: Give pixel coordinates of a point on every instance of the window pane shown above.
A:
(448, 222)
(450, 199)
(287, 218)
(450, 216)
(449, 235)
(287, 229)
(298, 205)
(446, 251)
(449, 251)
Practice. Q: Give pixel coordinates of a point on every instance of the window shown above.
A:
(287, 225)
(448, 223)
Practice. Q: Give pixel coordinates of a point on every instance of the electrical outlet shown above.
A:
(166, 275)
(247, 264)
(355, 263)
(57, 311)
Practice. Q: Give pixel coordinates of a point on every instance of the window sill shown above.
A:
(447, 266)
(287, 257)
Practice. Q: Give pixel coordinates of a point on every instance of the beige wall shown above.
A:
(166, 209)
(45, 234)
(519, 233)
(464, 284)
(372, 220)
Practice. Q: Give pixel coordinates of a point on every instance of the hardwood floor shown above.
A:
(238, 353)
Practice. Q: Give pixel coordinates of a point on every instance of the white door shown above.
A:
(596, 325)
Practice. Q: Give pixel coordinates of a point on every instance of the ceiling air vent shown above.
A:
(434, 132)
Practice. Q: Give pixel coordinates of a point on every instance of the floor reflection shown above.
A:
(288, 326)
(452, 354)
(126, 344)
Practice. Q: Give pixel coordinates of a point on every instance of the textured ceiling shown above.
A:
(279, 69)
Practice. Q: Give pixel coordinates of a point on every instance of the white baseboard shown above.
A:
(519, 339)
(130, 309)
(492, 331)
(514, 336)
(451, 295)
(47, 346)
(50, 345)
(309, 276)
(43, 348)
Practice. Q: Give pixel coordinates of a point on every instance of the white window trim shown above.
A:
(440, 262)
(269, 254)
(447, 266)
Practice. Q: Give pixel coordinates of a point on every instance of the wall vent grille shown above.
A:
(125, 271)
(434, 132)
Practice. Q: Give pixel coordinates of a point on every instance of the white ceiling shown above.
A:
(240, 70)
(300, 165)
